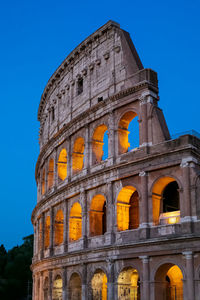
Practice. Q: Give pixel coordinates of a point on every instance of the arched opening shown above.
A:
(57, 288)
(58, 228)
(99, 285)
(40, 235)
(165, 201)
(169, 283)
(128, 284)
(62, 164)
(51, 173)
(47, 233)
(128, 209)
(43, 182)
(126, 142)
(98, 215)
(78, 155)
(99, 144)
(46, 288)
(75, 288)
(75, 222)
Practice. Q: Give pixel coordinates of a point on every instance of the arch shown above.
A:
(75, 287)
(98, 215)
(46, 288)
(58, 228)
(99, 285)
(51, 173)
(75, 222)
(78, 155)
(62, 164)
(57, 288)
(43, 182)
(47, 232)
(128, 208)
(165, 201)
(128, 284)
(98, 143)
(123, 133)
(168, 282)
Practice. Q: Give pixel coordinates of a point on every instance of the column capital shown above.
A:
(144, 258)
(188, 161)
(188, 254)
(143, 173)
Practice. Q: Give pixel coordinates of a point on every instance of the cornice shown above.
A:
(69, 60)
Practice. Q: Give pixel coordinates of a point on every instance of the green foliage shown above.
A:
(15, 273)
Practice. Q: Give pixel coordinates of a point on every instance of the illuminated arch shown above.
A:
(75, 222)
(75, 287)
(168, 282)
(123, 133)
(78, 155)
(128, 284)
(99, 285)
(57, 288)
(127, 208)
(43, 182)
(47, 232)
(165, 201)
(97, 143)
(59, 228)
(98, 215)
(62, 164)
(51, 173)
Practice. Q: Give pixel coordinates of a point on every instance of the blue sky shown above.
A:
(35, 38)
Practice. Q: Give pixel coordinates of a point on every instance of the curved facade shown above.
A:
(117, 215)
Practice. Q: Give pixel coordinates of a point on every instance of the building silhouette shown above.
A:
(116, 219)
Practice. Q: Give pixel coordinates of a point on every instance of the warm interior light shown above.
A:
(51, 173)
(78, 155)
(62, 164)
(99, 285)
(97, 215)
(97, 143)
(123, 133)
(75, 222)
(172, 217)
(47, 232)
(59, 227)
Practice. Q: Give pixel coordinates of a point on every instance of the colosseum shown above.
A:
(118, 204)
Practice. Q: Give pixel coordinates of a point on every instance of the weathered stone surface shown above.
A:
(98, 221)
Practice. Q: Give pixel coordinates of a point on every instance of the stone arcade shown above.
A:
(121, 223)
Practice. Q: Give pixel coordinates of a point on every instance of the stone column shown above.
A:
(41, 287)
(69, 159)
(66, 223)
(145, 279)
(84, 282)
(110, 222)
(87, 149)
(64, 287)
(33, 288)
(111, 136)
(51, 231)
(83, 199)
(186, 213)
(144, 200)
(189, 275)
(110, 278)
(50, 285)
(42, 236)
(143, 121)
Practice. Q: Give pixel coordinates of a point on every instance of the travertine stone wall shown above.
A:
(79, 245)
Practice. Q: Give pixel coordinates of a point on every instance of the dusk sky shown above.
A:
(36, 36)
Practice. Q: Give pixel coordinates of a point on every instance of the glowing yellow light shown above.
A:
(78, 155)
(51, 173)
(62, 164)
(97, 143)
(123, 132)
(96, 215)
(172, 217)
(75, 222)
(59, 227)
(47, 232)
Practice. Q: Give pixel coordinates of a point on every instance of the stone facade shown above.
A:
(125, 226)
